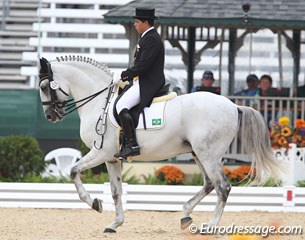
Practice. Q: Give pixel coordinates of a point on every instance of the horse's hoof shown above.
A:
(109, 230)
(185, 222)
(97, 205)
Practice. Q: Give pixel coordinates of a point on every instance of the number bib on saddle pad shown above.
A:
(154, 115)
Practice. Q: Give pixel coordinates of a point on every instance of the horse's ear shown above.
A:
(43, 65)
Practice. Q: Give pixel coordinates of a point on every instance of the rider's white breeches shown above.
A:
(130, 98)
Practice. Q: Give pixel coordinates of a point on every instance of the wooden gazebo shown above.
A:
(181, 20)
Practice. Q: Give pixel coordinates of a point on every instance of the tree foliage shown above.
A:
(20, 156)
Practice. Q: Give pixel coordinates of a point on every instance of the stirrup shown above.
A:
(128, 151)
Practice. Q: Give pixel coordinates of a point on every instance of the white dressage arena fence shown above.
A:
(295, 159)
(151, 197)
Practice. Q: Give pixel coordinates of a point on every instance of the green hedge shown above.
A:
(20, 156)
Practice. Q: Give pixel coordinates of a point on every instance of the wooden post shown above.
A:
(296, 57)
(190, 57)
(279, 39)
(231, 64)
(220, 58)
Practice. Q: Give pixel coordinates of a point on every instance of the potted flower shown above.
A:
(288, 143)
(282, 133)
(170, 174)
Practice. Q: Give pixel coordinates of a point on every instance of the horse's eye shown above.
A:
(43, 87)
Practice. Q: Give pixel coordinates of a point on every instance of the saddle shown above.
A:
(162, 96)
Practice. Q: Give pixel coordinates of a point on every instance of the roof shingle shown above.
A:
(271, 13)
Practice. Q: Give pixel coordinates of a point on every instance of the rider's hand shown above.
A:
(126, 76)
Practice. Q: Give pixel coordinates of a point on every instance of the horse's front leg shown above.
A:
(114, 172)
(90, 160)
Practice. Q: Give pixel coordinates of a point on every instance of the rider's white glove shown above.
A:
(116, 78)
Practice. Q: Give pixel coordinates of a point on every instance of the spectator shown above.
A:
(265, 83)
(252, 89)
(207, 80)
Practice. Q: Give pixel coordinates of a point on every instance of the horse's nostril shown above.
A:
(48, 116)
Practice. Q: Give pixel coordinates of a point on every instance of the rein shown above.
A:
(70, 104)
(103, 118)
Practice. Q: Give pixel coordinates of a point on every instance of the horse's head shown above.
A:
(53, 94)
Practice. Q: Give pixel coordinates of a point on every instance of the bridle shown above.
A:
(69, 105)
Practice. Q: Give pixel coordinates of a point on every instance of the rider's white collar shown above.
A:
(146, 31)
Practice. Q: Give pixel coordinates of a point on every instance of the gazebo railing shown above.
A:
(272, 108)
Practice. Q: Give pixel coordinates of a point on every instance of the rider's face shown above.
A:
(141, 26)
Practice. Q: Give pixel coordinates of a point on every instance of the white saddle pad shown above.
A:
(154, 116)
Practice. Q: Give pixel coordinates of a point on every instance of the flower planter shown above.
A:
(294, 157)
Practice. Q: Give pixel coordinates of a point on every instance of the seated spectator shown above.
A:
(251, 90)
(252, 87)
(207, 82)
(265, 83)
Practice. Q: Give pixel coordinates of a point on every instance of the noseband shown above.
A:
(70, 104)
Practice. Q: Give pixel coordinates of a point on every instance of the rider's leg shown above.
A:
(131, 148)
(130, 99)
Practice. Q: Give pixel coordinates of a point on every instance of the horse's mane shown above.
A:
(88, 60)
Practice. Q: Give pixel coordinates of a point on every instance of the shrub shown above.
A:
(133, 179)
(170, 174)
(20, 156)
(89, 177)
(301, 183)
(239, 176)
(197, 180)
(152, 180)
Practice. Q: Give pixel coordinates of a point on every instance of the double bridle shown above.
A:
(46, 73)
(70, 104)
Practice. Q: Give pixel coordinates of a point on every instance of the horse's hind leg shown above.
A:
(114, 172)
(188, 207)
(214, 169)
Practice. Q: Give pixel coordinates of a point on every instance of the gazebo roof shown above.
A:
(273, 14)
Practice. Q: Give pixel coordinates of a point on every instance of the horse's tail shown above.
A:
(256, 143)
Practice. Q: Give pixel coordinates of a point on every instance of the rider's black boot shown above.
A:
(131, 147)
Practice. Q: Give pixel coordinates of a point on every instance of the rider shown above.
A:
(148, 67)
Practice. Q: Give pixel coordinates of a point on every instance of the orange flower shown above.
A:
(170, 174)
(226, 171)
(239, 174)
(299, 123)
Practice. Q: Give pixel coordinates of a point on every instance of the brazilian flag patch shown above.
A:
(156, 121)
